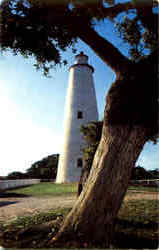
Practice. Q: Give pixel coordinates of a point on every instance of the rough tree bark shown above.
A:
(92, 218)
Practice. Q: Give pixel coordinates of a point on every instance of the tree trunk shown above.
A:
(127, 126)
(92, 217)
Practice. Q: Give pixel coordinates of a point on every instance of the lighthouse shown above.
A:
(80, 109)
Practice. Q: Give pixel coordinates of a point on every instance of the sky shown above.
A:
(32, 108)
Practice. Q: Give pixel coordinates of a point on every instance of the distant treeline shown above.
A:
(42, 169)
(46, 169)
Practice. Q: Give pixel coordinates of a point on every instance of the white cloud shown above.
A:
(22, 141)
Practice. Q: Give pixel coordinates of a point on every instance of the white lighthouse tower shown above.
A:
(81, 108)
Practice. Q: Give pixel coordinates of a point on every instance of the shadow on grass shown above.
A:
(125, 237)
(124, 241)
(13, 195)
(7, 203)
(132, 235)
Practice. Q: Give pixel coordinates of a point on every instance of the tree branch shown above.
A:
(105, 50)
(80, 26)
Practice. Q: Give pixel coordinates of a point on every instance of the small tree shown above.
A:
(92, 134)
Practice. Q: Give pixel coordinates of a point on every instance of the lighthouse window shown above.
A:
(79, 163)
(79, 115)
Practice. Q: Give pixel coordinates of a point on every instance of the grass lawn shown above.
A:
(142, 188)
(46, 189)
(136, 224)
(53, 189)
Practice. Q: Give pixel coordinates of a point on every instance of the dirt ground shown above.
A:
(11, 207)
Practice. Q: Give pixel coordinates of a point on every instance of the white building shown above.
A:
(81, 108)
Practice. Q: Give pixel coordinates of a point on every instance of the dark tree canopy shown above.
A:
(44, 29)
(45, 168)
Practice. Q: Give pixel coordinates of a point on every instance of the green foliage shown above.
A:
(16, 175)
(46, 189)
(141, 40)
(44, 29)
(139, 173)
(89, 153)
(45, 168)
(39, 218)
(92, 134)
(92, 131)
(130, 31)
(25, 30)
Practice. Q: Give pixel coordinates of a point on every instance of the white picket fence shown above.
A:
(17, 183)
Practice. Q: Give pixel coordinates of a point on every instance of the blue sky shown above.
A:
(32, 109)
